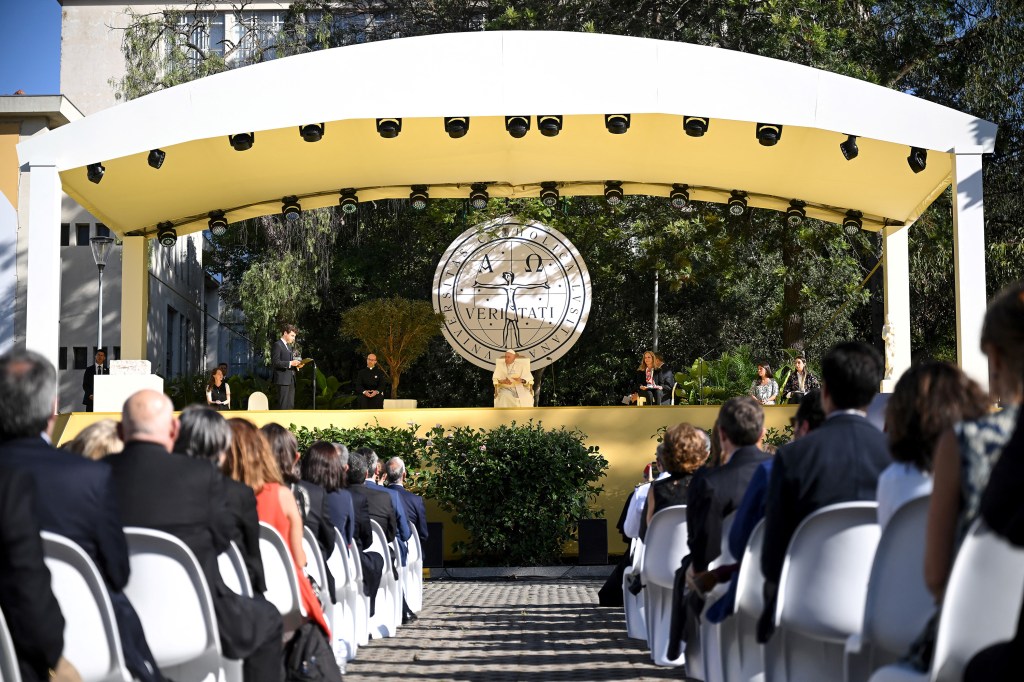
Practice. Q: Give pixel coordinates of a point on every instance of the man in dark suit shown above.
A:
(80, 502)
(378, 505)
(838, 462)
(281, 357)
(403, 527)
(370, 384)
(88, 380)
(185, 497)
(32, 613)
(415, 509)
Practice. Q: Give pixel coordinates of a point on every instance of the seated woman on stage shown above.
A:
(513, 383)
(764, 388)
(218, 393)
(800, 381)
(653, 380)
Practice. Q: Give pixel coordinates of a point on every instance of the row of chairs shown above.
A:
(170, 593)
(851, 600)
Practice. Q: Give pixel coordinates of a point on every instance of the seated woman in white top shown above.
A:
(513, 383)
(928, 399)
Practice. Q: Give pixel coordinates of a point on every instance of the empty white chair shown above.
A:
(343, 625)
(281, 578)
(382, 622)
(316, 567)
(898, 605)
(413, 579)
(664, 549)
(742, 655)
(980, 607)
(633, 604)
(258, 401)
(822, 591)
(9, 671)
(92, 642)
(233, 571)
(169, 592)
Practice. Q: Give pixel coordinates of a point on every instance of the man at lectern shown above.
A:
(513, 383)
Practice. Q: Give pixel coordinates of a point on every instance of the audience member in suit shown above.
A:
(809, 416)
(322, 470)
(99, 366)
(415, 509)
(839, 462)
(385, 505)
(349, 514)
(1002, 507)
(80, 500)
(205, 435)
(378, 506)
(186, 498)
(32, 613)
(284, 367)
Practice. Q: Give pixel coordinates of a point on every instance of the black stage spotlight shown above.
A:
(549, 126)
(349, 202)
(517, 126)
(796, 213)
(737, 202)
(242, 141)
(616, 123)
(478, 196)
(456, 126)
(849, 148)
(218, 224)
(312, 132)
(418, 197)
(768, 134)
(613, 192)
(679, 196)
(549, 194)
(918, 159)
(95, 172)
(389, 127)
(695, 126)
(852, 223)
(290, 208)
(166, 234)
(156, 158)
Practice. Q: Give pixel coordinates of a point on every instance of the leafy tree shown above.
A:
(397, 329)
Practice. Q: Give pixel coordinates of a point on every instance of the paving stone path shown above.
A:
(524, 630)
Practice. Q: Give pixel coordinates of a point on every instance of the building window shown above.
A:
(204, 33)
(65, 234)
(83, 233)
(102, 230)
(81, 361)
(62, 357)
(117, 353)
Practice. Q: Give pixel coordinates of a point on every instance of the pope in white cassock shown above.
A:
(513, 383)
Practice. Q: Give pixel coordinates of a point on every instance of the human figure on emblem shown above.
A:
(511, 312)
(513, 383)
(370, 384)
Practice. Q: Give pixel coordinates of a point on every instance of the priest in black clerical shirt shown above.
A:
(370, 384)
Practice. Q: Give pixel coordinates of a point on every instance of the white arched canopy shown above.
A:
(487, 76)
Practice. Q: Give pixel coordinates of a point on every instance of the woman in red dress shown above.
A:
(250, 461)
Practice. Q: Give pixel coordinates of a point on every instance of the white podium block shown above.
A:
(399, 404)
(126, 377)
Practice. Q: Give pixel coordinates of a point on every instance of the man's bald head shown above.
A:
(149, 416)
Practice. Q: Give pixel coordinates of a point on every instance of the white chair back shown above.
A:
(743, 655)
(233, 571)
(281, 578)
(9, 671)
(258, 401)
(362, 615)
(316, 567)
(344, 624)
(413, 570)
(822, 591)
(707, 662)
(633, 604)
(664, 548)
(169, 592)
(382, 622)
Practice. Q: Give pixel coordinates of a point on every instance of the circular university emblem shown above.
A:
(511, 284)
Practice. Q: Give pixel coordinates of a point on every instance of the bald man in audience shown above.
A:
(185, 497)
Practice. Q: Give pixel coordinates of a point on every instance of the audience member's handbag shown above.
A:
(308, 657)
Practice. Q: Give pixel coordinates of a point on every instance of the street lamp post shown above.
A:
(100, 249)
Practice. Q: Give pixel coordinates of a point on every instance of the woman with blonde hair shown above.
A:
(250, 461)
(97, 440)
(653, 380)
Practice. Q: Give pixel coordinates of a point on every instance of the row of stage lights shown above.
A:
(679, 197)
(768, 135)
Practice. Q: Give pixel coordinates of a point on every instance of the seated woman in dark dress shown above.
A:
(683, 451)
(653, 380)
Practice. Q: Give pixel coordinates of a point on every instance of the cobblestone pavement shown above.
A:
(531, 631)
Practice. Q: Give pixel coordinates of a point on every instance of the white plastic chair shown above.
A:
(743, 656)
(707, 662)
(633, 604)
(382, 622)
(169, 592)
(412, 580)
(980, 607)
(343, 626)
(281, 577)
(665, 547)
(362, 604)
(317, 568)
(9, 671)
(258, 401)
(396, 554)
(822, 591)
(234, 572)
(898, 605)
(92, 642)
